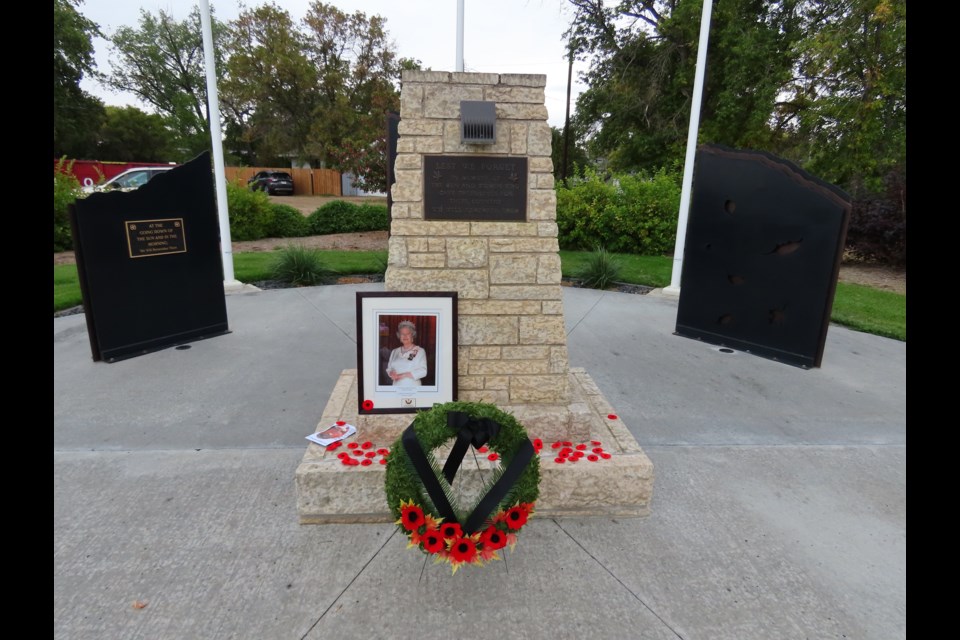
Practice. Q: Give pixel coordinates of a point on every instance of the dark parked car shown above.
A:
(273, 182)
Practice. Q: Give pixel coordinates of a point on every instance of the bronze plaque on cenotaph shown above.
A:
(474, 188)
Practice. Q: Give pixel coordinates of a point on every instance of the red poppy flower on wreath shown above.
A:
(367, 405)
(371, 454)
(366, 445)
(357, 452)
(516, 517)
(556, 445)
(463, 550)
(581, 447)
(596, 443)
(493, 538)
(451, 530)
(334, 445)
(559, 460)
(383, 461)
(611, 416)
(567, 443)
(343, 454)
(593, 457)
(432, 541)
(492, 457)
(537, 444)
(483, 449)
(411, 516)
(366, 462)
(340, 423)
(605, 455)
(352, 445)
(382, 451)
(598, 450)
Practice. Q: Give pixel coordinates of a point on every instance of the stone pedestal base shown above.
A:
(329, 492)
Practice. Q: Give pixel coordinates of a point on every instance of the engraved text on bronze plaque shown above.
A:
(155, 237)
(474, 188)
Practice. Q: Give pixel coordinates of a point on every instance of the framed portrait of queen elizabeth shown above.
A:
(406, 350)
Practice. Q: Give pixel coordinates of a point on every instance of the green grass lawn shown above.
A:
(861, 308)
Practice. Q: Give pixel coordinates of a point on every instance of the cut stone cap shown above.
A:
(513, 79)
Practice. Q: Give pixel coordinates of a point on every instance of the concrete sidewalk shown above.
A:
(779, 506)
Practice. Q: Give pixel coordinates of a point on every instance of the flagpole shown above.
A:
(216, 142)
(688, 162)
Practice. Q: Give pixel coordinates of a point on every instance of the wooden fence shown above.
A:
(306, 182)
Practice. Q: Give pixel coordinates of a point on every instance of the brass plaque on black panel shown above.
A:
(474, 188)
(155, 237)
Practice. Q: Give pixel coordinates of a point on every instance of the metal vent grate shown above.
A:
(478, 122)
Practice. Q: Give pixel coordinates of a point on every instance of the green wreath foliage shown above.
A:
(403, 484)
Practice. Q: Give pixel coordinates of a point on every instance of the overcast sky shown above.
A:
(500, 36)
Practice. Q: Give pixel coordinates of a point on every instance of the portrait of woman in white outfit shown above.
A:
(408, 362)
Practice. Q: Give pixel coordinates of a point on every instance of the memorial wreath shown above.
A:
(420, 493)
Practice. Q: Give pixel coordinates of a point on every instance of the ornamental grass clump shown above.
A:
(600, 271)
(301, 266)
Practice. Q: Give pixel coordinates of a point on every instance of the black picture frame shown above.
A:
(426, 370)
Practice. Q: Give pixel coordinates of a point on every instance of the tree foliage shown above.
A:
(848, 99)
(270, 87)
(315, 91)
(161, 61)
(132, 135)
(822, 82)
(76, 114)
(637, 107)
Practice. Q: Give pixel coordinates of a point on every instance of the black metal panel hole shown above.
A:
(730, 206)
(725, 350)
(182, 347)
(786, 248)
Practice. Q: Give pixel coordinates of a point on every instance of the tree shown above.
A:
(359, 73)
(822, 82)
(316, 91)
(637, 106)
(76, 114)
(162, 62)
(848, 98)
(270, 88)
(577, 158)
(132, 135)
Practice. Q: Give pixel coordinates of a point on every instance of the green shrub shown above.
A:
(601, 270)
(287, 222)
(251, 212)
(340, 216)
(625, 214)
(300, 266)
(66, 190)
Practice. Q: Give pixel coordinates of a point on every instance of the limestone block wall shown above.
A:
(512, 341)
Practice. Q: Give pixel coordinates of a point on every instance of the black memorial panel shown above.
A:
(763, 248)
(474, 188)
(149, 262)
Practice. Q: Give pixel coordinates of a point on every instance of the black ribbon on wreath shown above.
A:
(478, 432)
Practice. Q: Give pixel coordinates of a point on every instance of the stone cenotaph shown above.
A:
(474, 211)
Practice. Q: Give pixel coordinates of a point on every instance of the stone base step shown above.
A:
(330, 492)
